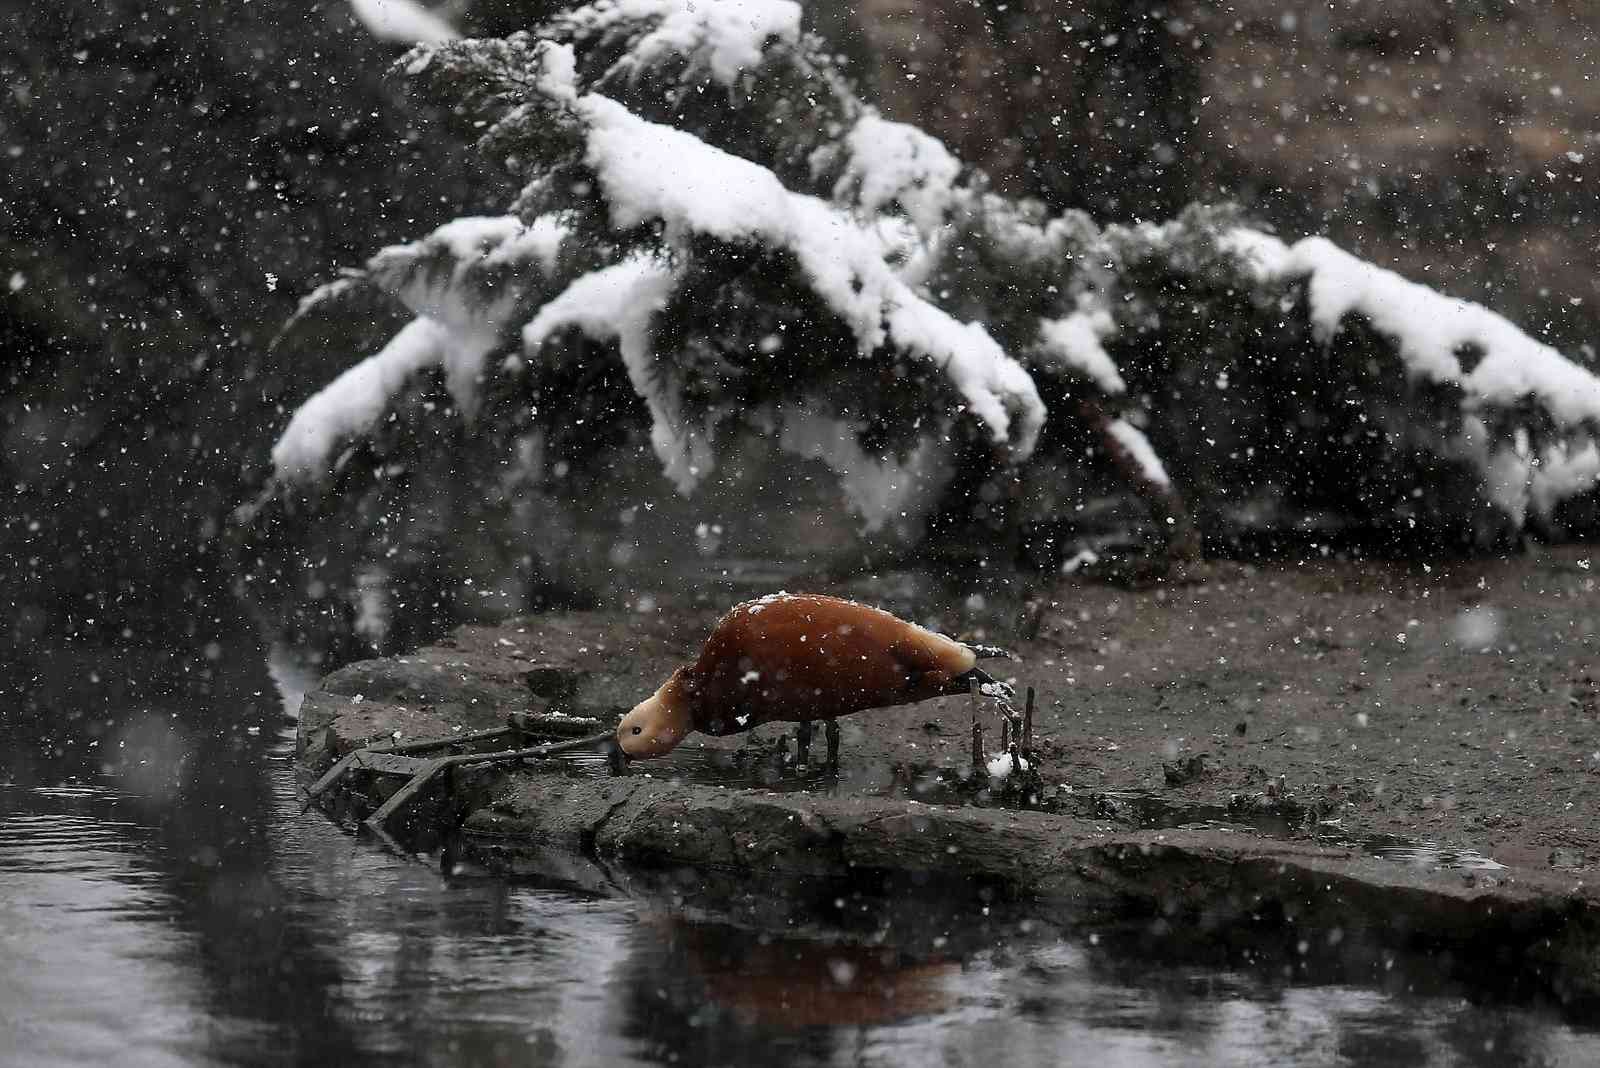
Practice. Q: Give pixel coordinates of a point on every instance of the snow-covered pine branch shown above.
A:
(711, 206)
(633, 39)
(465, 282)
(404, 21)
(669, 198)
(351, 405)
(1530, 417)
(657, 175)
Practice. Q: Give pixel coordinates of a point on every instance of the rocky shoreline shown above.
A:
(1361, 760)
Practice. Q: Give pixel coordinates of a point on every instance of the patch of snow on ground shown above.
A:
(1002, 767)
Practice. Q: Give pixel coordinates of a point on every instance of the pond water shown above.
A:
(164, 901)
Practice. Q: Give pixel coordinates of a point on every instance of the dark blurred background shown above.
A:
(174, 177)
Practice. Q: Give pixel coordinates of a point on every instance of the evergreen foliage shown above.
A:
(714, 232)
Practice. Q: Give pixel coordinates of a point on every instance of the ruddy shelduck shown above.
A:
(797, 658)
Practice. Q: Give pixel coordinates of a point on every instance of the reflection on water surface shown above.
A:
(164, 902)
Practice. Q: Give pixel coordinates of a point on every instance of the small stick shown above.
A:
(431, 768)
(1005, 733)
(1027, 725)
(977, 729)
(1011, 736)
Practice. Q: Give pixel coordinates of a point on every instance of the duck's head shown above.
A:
(657, 724)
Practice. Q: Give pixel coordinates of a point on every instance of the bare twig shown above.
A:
(1027, 725)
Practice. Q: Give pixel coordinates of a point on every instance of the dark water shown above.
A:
(163, 901)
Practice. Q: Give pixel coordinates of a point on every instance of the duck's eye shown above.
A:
(638, 730)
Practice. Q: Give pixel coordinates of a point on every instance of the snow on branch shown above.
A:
(890, 164)
(471, 273)
(869, 291)
(617, 304)
(1564, 471)
(352, 404)
(341, 290)
(1140, 451)
(1074, 342)
(1504, 374)
(653, 173)
(881, 489)
(464, 282)
(723, 38)
(1433, 332)
(405, 21)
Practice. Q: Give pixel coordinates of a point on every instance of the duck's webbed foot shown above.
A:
(1004, 695)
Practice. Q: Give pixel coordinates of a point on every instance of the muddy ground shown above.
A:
(1352, 744)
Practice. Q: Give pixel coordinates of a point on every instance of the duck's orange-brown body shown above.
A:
(804, 657)
(796, 658)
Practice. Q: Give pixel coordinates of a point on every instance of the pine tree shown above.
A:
(713, 223)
